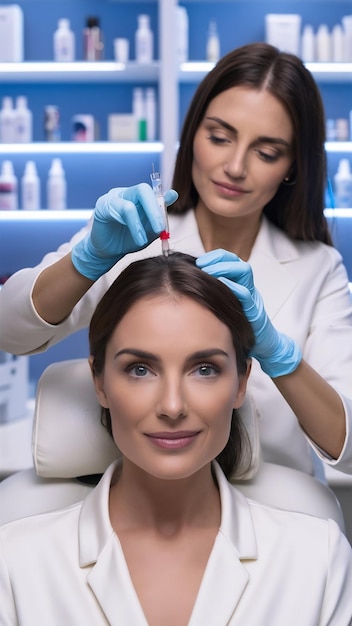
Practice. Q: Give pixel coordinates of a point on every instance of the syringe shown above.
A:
(158, 191)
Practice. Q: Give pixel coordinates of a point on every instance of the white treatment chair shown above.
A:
(71, 449)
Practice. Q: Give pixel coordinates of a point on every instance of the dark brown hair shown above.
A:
(176, 274)
(297, 209)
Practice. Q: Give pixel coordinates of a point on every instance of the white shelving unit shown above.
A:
(163, 72)
(194, 71)
(77, 147)
(79, 72)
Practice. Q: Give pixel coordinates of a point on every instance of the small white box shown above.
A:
(122, 127)
(283, 31)
(11, 34)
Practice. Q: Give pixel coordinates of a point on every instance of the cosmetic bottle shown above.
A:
(308, 44)
(23, 121)
(56, 186)
(182, 28)
(338, 44)
(64, 42)
(213, 43)
(144, 40)
(343, 185)
(323, 44)
(347, 29)
(150, 113)
(8, 187)
(30, 188)
(139, 111)
(11, 33)
(7, 121)
(93, 43)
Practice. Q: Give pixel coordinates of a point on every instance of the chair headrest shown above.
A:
(68, 438)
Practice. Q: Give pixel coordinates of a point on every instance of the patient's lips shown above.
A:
(173, 440)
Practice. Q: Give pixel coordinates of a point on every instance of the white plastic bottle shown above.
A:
(7, 121)
(56, 186)
(8, 187)
(150, 113)
(139, 111)
(144, 40)
(323, 44)
(213, 43)
(64, 42)
(347, 29)
(308, 44)
(23, 121)
(338, 44)
(182, 30)
(343, 185)
(30, 188)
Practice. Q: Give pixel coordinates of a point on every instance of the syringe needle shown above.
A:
(157, 188)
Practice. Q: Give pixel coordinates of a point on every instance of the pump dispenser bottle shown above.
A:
(56, 186)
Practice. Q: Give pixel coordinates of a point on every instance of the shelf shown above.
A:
(82, 147)
(78, 72)
(194, 71)
(338, 146)
(110, 147)
(44, 215)
(131, 72)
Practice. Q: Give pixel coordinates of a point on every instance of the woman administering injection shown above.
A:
(250, 174)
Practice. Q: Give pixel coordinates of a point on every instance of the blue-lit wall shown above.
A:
(88, 176)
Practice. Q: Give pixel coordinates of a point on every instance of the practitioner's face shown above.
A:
(170, 381)
(242, 152)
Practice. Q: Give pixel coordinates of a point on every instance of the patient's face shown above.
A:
(170, 381)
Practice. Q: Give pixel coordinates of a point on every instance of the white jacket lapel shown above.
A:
(274, 262)
(226, 577)
(118, 601)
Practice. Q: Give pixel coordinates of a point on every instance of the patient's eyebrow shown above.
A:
(199, 355)
(140, 354)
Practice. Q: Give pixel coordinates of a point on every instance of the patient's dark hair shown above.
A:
(176, 274)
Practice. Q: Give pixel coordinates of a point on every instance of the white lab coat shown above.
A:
(305, 290)
(267, 567)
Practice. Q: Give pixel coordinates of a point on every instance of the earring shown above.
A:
(288, 182)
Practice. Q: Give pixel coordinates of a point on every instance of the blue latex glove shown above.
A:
(126, 219)
(277, 353)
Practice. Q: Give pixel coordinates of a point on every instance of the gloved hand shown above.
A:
(126, 219)
(277, 353)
